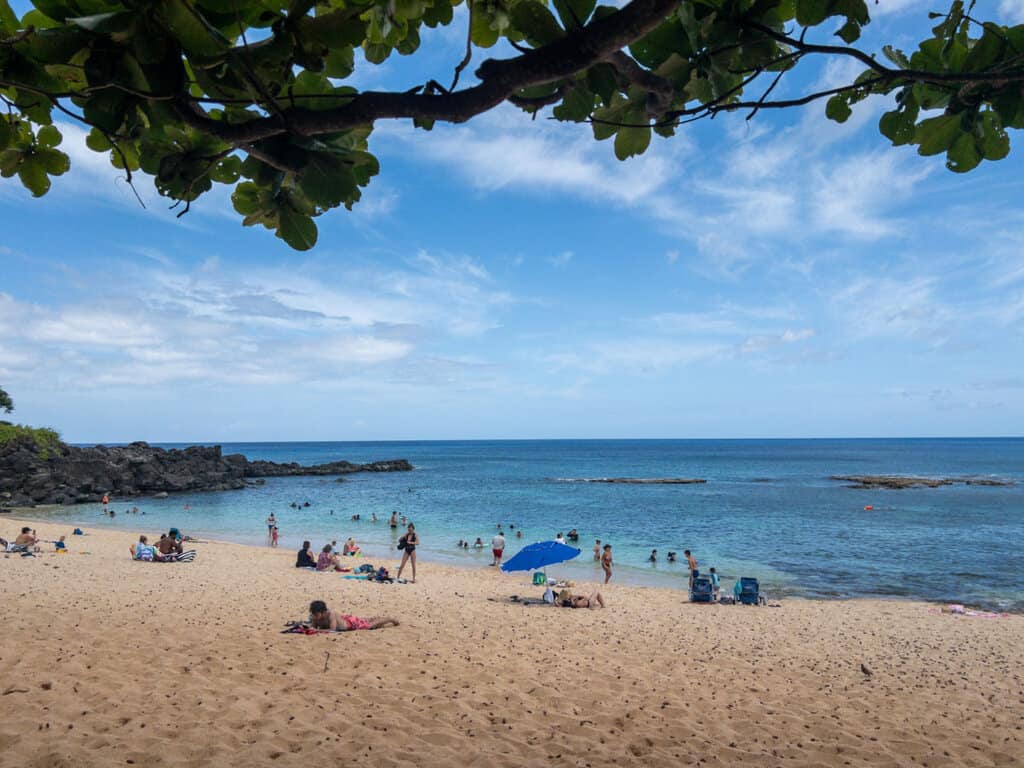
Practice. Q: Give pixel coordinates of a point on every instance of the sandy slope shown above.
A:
(105, 661)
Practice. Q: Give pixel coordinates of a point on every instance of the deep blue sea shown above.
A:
(767, 510)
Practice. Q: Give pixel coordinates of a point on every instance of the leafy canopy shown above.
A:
(253, 93)
(6, 404)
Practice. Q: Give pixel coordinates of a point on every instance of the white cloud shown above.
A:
(561, 260)
(1011, 11)
(236, 324)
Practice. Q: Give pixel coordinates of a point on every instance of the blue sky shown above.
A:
(783, 277)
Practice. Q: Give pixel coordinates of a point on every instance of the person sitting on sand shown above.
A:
(305, 557)
(145, 551)
(327, 560)
(350, 548)
(168, 545)
(321, 617)
(27, 538)
(568, 600)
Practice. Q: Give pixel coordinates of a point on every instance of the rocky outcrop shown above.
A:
(870, 482)
(70, 475)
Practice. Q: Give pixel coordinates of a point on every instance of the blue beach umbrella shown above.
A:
(540, 555)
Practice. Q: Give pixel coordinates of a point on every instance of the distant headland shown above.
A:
(65, 474)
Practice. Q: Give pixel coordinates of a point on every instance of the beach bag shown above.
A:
(77, 532)
(365, 568)
(539, 578)
(382, 574)
(401, 543)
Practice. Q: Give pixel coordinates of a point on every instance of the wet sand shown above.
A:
(106, 662)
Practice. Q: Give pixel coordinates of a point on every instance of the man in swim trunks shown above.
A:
(321, 617)
(497, 548)
(393, 522)
(691, 562)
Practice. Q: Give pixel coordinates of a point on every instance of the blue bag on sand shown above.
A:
(747, 590)
(77, 532)
(701, 591)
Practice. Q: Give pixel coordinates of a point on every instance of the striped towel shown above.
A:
(186, 557)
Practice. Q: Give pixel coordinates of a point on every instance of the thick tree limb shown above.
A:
(499, 79)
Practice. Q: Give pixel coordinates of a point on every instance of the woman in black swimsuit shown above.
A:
(411, 541)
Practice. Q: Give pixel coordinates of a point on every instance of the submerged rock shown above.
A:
(900, 481)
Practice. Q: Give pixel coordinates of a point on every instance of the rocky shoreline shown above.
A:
(70, 475)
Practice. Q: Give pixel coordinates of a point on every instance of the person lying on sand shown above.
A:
(567, 600)
(321, 617)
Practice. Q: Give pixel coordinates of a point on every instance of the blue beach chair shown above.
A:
(702, 590)
(747, 591)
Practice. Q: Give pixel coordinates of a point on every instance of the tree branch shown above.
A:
(499, 80)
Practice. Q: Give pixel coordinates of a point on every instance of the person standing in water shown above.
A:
(393, 522)
(412, 540)
(271, 522)
(597, 550)
(606, 562)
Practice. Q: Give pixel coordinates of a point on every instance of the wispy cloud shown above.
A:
(218, 323)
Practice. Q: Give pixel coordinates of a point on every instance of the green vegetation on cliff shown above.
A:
(45, 439)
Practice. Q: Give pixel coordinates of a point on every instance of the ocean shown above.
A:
(768, 509)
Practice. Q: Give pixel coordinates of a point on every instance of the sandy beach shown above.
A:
(109, 662)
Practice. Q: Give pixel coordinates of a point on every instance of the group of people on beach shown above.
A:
(330, 560)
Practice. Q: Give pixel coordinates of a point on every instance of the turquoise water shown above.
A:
(767, 510)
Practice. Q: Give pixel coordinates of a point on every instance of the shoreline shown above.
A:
(489, 572)
(183, 664)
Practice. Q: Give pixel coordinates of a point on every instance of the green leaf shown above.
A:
(632, 141)
(536, 23)
(601, 79)
(296, 229)
(838, 108)
(811, 12)
(33, 176)
(937, 134)
(97, 141)
(48, 136)
(849, 32)
(995, 144)
(197, 36)
(574, 13)
(5, 130)
(8, 19)
(326, 180)
(898, 126)
(577, 104)
(984, 52)
(896, 56)
(963, 156)
(54, 161)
